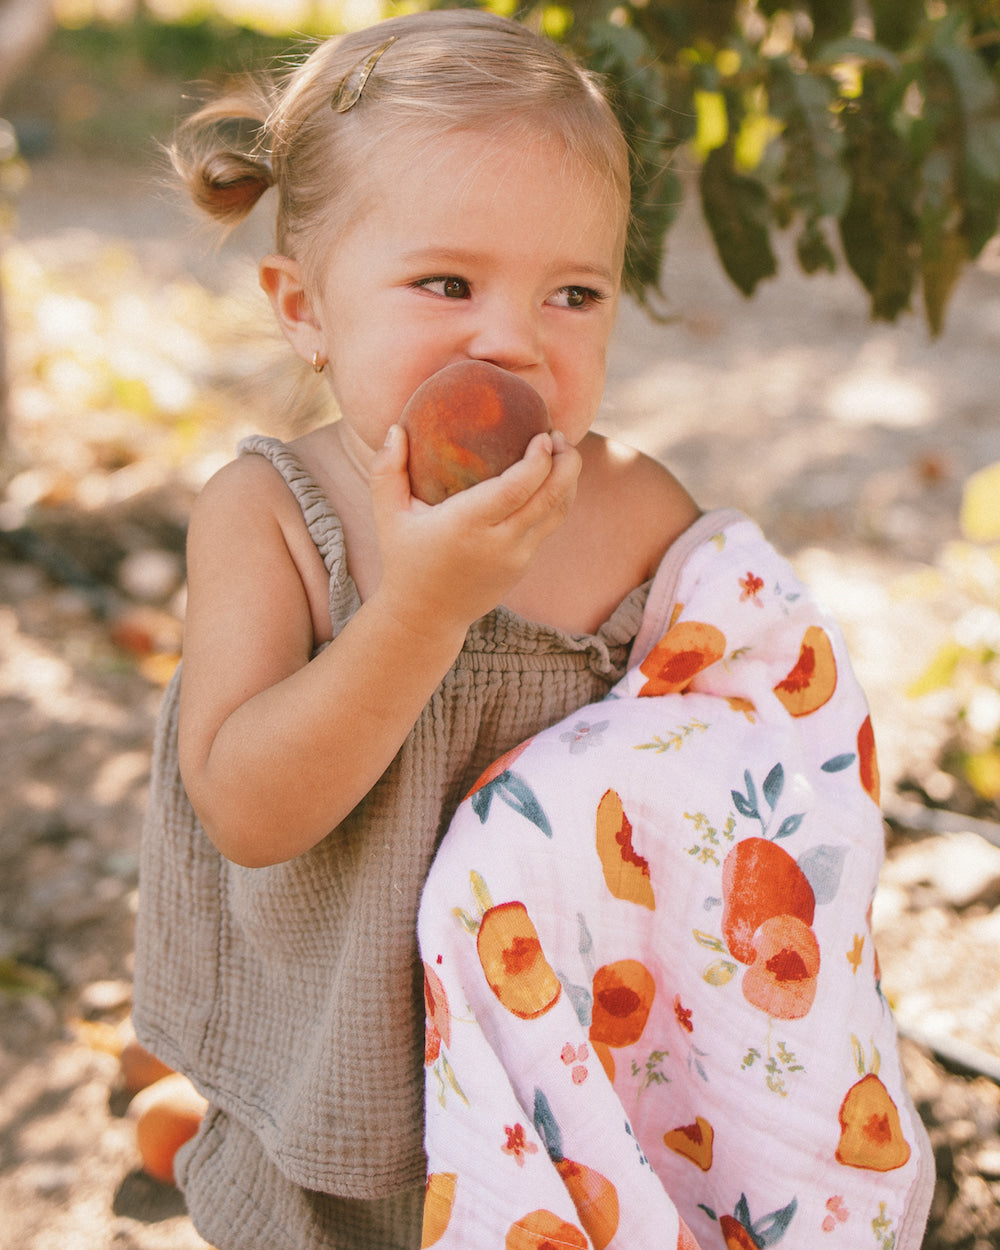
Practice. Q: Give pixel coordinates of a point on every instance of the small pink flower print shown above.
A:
(683, 1015)
(578, 1056)
(516, 1144)
(751, 586)
(838, 1213)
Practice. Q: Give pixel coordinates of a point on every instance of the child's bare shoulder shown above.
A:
(247, 524)
(637, 497)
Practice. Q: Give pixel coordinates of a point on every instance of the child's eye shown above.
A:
(576, 297)
(450, 287)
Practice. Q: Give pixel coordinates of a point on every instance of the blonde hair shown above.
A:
(447, 70)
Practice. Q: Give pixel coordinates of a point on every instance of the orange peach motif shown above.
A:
(623, 996)
(438, 1017)
(693, 1141)
(625, 871)
(512, 959)
(680, 655)
(498, 766)
(439, 1198)
(868, 760)
(595, 1199)
(760, 880)
(871, 1135)
(685, 1238)
(781, 981)
(735, 1235)
(543, 1230)
(813, 679)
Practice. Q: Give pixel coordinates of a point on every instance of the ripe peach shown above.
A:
(595, 1199)
(467, 422)
(166, 1114)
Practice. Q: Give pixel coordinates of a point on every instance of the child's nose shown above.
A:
(508, 335)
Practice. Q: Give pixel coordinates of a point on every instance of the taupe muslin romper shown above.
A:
(291, 995)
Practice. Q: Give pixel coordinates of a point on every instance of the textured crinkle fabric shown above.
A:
(291, 995)
(653, 1006)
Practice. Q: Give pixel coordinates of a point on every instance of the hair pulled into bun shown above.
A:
(221, 152)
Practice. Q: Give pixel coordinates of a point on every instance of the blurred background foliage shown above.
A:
(868, 131)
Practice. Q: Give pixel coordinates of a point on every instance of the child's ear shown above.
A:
(282, 281)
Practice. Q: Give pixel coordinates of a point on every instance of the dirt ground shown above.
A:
(849, 442)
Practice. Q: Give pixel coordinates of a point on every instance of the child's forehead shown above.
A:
(460, 163)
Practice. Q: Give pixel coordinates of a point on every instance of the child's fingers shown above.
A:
(390, 483)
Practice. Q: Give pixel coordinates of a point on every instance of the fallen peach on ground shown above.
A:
(166, 1114)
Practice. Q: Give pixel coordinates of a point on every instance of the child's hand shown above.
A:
(450, 563)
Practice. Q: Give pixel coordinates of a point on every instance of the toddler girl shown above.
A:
(448, 187)
(452, 188)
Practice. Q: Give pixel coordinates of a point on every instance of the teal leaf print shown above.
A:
(745, 807)
(839, 763)
(748, 806)
(547, 1128)
(823, 867)
(774, 783)
(516, 793)
(580, 997)
(789, 825)
(773, 1227)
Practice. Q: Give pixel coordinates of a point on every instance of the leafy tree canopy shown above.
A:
(868, 129)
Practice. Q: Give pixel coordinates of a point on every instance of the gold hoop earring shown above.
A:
(318, 365)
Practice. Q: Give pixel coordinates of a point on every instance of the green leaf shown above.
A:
(878, 228)
(813, 174)
(735, 207)
(854, 48)
(896, 21)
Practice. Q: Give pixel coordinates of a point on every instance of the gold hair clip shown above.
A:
(349, 91)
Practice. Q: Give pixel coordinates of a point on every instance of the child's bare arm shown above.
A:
(276, 746)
